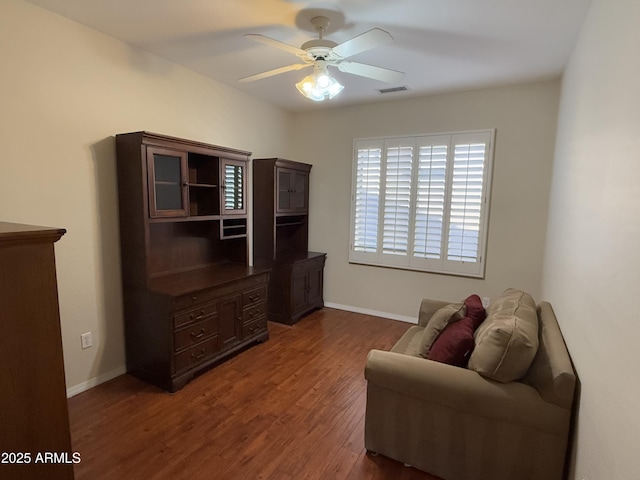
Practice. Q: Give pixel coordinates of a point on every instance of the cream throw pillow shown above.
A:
(437, 323)
(507, 341)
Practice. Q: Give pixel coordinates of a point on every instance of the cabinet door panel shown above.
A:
(298, 291)
(299, 192)
(315, 286)
(167, 171)
(292, 186)
(284, 190)
(230, 318)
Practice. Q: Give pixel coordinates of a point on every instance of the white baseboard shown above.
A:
(92, 382)
(375, 313)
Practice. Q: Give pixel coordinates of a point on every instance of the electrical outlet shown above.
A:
(86, 339)
(486, 301)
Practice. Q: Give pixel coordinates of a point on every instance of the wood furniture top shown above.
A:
(183, 283)
(16, 233)
(150, 138)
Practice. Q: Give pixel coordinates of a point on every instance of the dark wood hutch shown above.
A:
(34, 418)
(281, 237)
(190, 298)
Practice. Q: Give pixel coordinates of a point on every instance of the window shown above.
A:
(421, 203)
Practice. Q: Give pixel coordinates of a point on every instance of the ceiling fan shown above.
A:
(321, 54)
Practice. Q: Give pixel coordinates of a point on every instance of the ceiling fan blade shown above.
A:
(275, 43)
(370, 39)
(377, 73)
(275, 71)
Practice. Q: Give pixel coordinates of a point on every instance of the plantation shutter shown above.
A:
(466, 202)
(397, 200)
(422, 202)
(466, 222)
(430, 201)
(366, 197)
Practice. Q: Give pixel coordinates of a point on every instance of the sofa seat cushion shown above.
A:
(507, 341)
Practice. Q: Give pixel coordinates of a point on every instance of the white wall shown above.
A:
(525, 119)
(65, 91)
(592, 262)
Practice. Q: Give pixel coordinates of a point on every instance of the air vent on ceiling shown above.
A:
(392, 90)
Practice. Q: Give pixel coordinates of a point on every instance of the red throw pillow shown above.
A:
(454, 344)
(475, 310)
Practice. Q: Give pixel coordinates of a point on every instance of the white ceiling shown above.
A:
(442, 45)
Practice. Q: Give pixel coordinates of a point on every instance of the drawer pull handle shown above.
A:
(255, 328)
(255, 313)
(199, 317)
(200, 356)
(198, 335)
(255, 297)
(194, 298)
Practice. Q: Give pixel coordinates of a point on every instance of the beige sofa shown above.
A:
(459, 424)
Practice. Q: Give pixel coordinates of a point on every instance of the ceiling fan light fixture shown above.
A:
(320, 85)
(309, 87)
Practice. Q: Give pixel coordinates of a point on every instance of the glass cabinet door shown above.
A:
(167, 171)
(298, 195)
(292, 191)
(233, 187)
(284, 190)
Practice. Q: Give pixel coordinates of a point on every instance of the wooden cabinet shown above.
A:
(33, 403)
(281, 234)
(185, 275)
(205, 322)
(296, 287)
(292, 187)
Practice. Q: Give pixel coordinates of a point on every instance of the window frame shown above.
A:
(409, 260)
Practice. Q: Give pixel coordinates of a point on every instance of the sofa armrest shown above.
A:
(428, 307)
(463, 390)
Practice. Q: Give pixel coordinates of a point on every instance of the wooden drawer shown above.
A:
(252, 328)
(253, 312)
(194, 299)
(196, 332)
(254, 296)
(198, 297)
(195, 315)
(197, 354)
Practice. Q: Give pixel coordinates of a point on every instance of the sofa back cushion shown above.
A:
(507, 341)
(438, 322)
(454, 344)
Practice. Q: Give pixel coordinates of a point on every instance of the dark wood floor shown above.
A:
(291, 408)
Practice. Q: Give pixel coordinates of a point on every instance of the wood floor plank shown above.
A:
(290, 408)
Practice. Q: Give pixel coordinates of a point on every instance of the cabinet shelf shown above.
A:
(233, 228)
(193, 218)
(290, 221)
